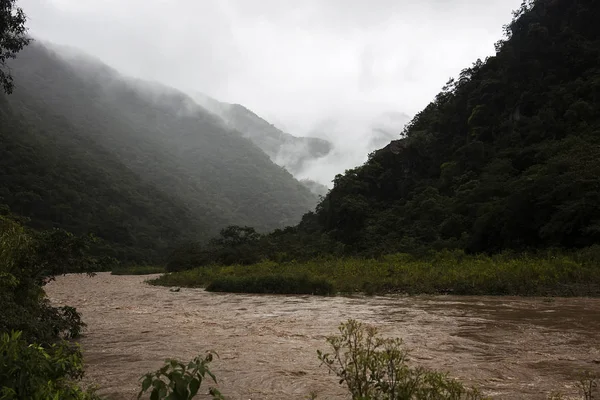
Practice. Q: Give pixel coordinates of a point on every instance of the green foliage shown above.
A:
(271, 284)
(234, 245)
(375, 368)
(234, 235)
(13, 38)
(543, 274)
(243, 245)
(178, 381)
(138, 270)
(30, 371)
(28, 260)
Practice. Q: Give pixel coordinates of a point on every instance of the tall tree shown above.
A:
(13, 38)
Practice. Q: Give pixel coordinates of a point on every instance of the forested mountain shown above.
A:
(140, 165)
(284, 149)
(506, 156)
(49, 178)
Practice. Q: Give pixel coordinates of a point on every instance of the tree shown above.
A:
(13, 38)
(234, 235)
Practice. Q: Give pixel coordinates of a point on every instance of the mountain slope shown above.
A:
(46, 176)
(507, 156)
(162, 138)
(284, 149)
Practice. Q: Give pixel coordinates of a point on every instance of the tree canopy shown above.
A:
(506, 156)
(13, 38)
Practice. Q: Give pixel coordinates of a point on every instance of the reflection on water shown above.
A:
(512, 347)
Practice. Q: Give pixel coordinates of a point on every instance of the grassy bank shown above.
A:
(138, 270)
(446, 272)
(273, 284)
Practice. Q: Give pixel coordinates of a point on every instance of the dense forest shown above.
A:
(139, 165)
(507, 157)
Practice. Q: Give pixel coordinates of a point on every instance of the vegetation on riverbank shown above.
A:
(36, 361)
(551, 274)
(138, 270)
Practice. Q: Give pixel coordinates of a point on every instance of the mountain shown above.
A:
(507, 156)
(139, 164)
(284, 149)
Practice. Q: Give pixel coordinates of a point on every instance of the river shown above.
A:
(511, 347)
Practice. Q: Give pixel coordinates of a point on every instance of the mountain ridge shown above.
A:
(157, 133)
(291, 152)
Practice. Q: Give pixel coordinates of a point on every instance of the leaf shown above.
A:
(211, 375)
(146, 383)
(194, 387)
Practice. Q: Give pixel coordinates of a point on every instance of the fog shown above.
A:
(335, 69)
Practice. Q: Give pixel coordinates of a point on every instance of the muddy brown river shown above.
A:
(512, 348)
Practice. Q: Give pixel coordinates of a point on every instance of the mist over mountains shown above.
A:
(144, 166)
(284, 149)
(139, 164)
(330, 147)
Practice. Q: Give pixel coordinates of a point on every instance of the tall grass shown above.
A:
(138, 270)
(445, 272)
(271, 284)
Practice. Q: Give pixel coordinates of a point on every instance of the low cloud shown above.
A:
(327, 68)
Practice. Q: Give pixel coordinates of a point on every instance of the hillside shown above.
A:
(507, 156)
(50, 180)
(284, 149)
(87, 149)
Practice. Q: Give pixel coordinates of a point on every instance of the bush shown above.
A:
(30, 371)
(271, 284)
(177, 381)
(374, 368)
(138, 270)
(436, 273)
(28, 260)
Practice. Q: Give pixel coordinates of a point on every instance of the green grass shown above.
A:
(272, 284)
(138, 270)
(444, 272)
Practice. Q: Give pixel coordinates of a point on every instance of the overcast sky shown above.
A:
(297, 63)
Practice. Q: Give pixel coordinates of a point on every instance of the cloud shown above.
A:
(298, 62)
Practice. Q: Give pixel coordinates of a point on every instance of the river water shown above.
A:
(512, 348)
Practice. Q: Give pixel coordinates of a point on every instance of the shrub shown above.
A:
(374, 368)
(28, 260)
(30, 371)
(138, 270)
(177, 381)
(437, 273)
(271, 284)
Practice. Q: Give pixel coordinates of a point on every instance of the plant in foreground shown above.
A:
(375, 368)
(30, 371)
(177, 381)
(589, 386)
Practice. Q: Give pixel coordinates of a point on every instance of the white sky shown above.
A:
(297, 63)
